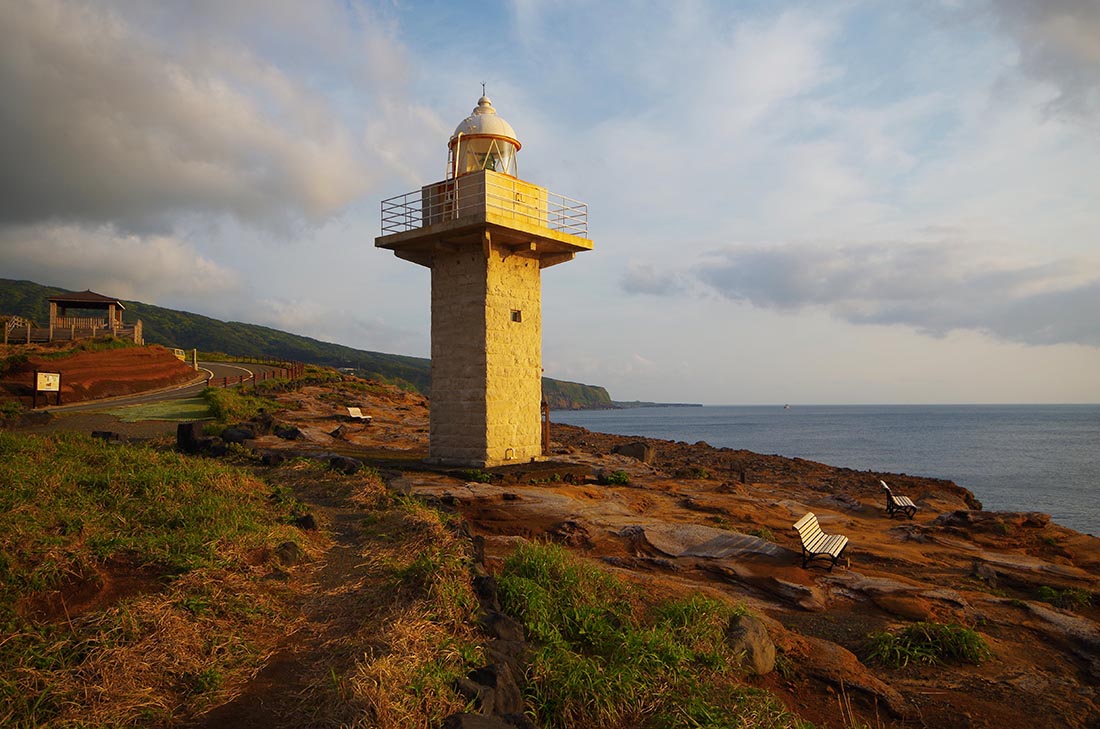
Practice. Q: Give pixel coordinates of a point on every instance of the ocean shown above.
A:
(1012, 457)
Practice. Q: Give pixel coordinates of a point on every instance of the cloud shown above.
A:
(928, 287)
(328, 324)
(105, 121)
(1059, 43)
(144, 268)
(644, 278)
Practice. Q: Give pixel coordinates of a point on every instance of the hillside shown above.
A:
(194, 331)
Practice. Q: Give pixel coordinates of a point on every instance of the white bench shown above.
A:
(898, 504)
(357, 414)
(816, 544)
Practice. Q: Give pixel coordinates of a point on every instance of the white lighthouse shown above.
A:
(486, 235)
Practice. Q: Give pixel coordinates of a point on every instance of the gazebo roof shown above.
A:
(88, 297)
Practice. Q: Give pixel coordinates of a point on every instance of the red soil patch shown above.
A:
(95, 375)
(94, 588)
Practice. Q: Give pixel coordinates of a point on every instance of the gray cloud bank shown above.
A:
(924, 286)
(102, 122)
(1059, 42)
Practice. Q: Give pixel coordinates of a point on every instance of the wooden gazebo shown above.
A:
(84, 315)
(84, 302)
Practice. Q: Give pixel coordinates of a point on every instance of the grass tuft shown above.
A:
(614, 478)
(1070, 598)
(602, 658)
(232, 404)
(928, 643)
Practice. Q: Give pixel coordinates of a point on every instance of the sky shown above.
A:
(847, 201)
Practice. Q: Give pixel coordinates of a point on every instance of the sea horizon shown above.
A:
(1013, 457)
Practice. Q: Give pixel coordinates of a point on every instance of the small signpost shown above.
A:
(46, 382)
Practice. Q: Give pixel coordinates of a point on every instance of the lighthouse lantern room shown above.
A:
(483, 141)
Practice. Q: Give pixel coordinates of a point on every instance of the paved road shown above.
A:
(215, 373)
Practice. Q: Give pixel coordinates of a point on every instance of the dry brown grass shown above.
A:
(388, 615)
(407, 618)
(172, 653)
(370, 631)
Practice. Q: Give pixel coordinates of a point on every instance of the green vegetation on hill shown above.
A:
(575, 396)
(193, 331)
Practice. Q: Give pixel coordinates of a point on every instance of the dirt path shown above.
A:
(278, 695)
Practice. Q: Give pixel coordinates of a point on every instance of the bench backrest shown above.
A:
(889, 493)
(807, 527)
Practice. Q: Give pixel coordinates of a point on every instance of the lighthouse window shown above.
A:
(517, 315)
(488, 154)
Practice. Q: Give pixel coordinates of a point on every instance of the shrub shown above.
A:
(763, 533)
(10, 409)
(12, 361)
(231, 404)
(620, 478)
(695, 472)
(476, 475)
(1071, 598)
(928, 643)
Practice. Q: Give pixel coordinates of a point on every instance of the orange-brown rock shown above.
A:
(719, 520)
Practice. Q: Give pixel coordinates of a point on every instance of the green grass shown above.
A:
(189, 409)
(476, 475)
(603, 659)
(615, 478)
(90, 345)
(10, 409)
(420, 570)
(1070, 598)
(928, 643)
(71, 507)
(70, 499)
(234, 404)
(762, 533)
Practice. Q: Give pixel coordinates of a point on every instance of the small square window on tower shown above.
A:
(517, 315)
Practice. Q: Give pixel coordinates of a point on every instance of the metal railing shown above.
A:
(497, 194)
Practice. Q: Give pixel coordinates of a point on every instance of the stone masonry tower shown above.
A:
(486, 235)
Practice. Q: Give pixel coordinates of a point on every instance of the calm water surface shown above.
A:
(1013, 457)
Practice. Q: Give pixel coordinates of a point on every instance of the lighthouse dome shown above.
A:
(485, 120)
(483, 141)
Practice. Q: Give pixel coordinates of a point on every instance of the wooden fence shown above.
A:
(28, 334)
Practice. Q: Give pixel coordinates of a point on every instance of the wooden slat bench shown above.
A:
(816, 544)
(357, 414)
(898, 504)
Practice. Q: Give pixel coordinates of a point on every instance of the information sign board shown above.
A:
(49, 382)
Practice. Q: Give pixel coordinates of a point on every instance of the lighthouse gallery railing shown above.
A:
(480, 193)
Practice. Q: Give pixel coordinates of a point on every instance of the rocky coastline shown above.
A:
(676, 517)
